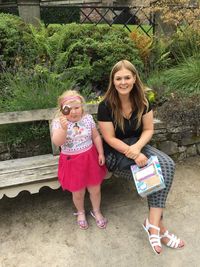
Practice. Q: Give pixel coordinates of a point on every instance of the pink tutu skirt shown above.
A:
(76, 172)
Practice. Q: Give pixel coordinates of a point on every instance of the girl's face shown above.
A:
(123, 81)
(76, 110)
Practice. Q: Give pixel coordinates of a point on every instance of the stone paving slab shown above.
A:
(40, 231)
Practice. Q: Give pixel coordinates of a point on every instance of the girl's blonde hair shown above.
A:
(137, 95)
(65, 95)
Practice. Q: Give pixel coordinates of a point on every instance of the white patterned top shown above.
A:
(78, 135)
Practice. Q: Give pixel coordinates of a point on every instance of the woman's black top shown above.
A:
(105, 114)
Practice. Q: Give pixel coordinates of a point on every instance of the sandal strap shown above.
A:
(79, 213)
(174, 241)
(155, 240)
(148, 225)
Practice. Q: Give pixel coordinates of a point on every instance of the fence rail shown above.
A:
(140, 16)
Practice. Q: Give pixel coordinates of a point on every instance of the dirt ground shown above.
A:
(40, 230)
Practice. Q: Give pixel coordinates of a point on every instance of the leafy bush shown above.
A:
(90, 57)
(50, 60)
(10, 39)
(185, 44)
(32, 90)
(183, 79)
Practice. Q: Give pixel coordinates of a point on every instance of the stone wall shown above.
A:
(177, 141)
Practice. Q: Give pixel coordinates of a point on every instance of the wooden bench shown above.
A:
(35, 172)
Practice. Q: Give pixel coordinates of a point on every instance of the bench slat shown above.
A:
(36, 115)
(28, 176)
(27, 170)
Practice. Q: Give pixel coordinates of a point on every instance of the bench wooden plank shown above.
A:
(30, 170)
(31, 173)
(36, 115)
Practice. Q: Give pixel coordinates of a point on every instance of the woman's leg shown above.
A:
(157, 200)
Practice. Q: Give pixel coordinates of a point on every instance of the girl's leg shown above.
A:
(95, 197)
(78, 199)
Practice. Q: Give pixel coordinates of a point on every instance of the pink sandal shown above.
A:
(83, 224)
(100, 223)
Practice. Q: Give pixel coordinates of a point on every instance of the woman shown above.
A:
(125, 112)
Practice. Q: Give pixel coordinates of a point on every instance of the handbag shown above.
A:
(117, 160)
(148, 179)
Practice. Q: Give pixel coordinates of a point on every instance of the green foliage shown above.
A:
(90, 57)
(10, 39)
(185, 44)
(32, 90)
(183, 79)
(26, 139)
(159, 57)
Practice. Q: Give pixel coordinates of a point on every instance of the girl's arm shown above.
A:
(96, 138)
(59, 134)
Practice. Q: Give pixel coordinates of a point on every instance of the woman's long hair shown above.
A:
(137, 95)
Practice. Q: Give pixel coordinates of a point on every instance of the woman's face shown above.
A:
(123, 81)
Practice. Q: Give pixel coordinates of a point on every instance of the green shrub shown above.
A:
(183, 79)
(10, 40)
(33, 90)
(185, 44)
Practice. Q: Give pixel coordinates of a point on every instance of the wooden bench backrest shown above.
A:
(38, 115)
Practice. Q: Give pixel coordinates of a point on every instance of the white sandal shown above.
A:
(174, 241)
(154, 239)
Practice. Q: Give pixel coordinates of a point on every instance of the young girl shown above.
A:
(82, 162)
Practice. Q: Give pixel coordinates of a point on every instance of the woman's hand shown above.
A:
(141, 160)
(63, 122)
(132, 152)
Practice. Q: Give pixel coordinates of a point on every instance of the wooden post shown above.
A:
(29, 11)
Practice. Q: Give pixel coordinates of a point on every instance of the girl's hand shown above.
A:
(141, 160)
(63, 122)
(132, 152)
(101, 159)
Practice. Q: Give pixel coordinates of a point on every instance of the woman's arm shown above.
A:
(147, 121)
(148, 129)
(108, 133)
